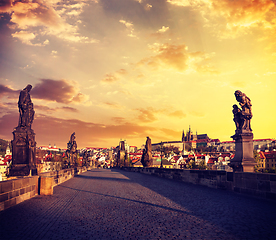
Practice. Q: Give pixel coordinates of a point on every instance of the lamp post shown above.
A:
(161, 150)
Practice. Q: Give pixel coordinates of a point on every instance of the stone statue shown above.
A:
(237, 117)
(242, 117)
(243, 160)
(71, 151)
(23, 143)
(121, 154)
(26, 109)
(85, 159)
(147, 154)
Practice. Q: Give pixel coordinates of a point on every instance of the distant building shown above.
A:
(5, 163)
(132, 149)
(195, 140)
(258, 144)
(50, 148)
(268, 160)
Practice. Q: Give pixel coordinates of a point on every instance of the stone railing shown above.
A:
(261, 185)
(17, 190)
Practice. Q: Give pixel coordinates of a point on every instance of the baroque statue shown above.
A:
(243, 160)
(147, 160)
(85, 159)
(242, 117)
(26, 109)
(71, 151)
(23, 143)
(121, 154)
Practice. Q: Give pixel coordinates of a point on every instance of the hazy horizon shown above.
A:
(127, 69)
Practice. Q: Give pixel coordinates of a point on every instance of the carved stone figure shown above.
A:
(85, 159)
(26, 110)
(71, 151)
(242, 117)
(146, 159)
(23, 143)
(237, 117)
(121, 154)
(243, 160)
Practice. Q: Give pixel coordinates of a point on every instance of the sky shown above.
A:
(112, 70)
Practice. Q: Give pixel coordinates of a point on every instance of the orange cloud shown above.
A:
(51, 110)
(58, 91)
(8, 91)
(244, 12)
(113, 77)
(26, 37)
(177, 57)
(109, 78)
(147, 115)
(118, 119)
(50, 130)
(239, 15)
(112, 105)
(56, 130)
(172, 133)
(174, 56)
(129, 26)
(178, 114)
(44, 14)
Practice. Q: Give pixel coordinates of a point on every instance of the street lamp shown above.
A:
(161, 150)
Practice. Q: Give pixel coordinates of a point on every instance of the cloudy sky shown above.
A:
(128, 69)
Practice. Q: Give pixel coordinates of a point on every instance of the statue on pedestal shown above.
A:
(72, 151)
(121, 154)
(147, 160)
(243, 160)
(242, 117)
(23, 144)
(26, 110)
(85, 159)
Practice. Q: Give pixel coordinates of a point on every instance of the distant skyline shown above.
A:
(127, 69)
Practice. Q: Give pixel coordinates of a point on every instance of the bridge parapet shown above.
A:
(261, 185)
(17, 190)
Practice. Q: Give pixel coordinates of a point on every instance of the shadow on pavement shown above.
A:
(128, 199)
(241, 215)
(103, 178)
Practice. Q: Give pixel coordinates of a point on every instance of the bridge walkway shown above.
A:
(114, 204)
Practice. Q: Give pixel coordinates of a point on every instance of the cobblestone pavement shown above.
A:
(114, 204)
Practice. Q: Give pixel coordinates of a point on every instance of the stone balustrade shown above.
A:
(17, 190)
(261, 185)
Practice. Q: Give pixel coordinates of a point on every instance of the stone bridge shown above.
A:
(118, 204)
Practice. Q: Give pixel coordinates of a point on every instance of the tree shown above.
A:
(191, 164)
(202, 165)
(258, 161)
(3, 147)
(176, 150)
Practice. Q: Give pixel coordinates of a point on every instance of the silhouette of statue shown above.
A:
(237, 117)
(26, 109)
(71, 151)
(146, 159)
(243, 160)
(242, 117)
(23, 143)
(85, 159)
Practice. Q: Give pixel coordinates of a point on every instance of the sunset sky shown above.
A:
(128, 69)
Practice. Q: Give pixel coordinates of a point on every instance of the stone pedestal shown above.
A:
(23, 152)
(243, 160)
(121, 158)
(46, 185)
(147, 160)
